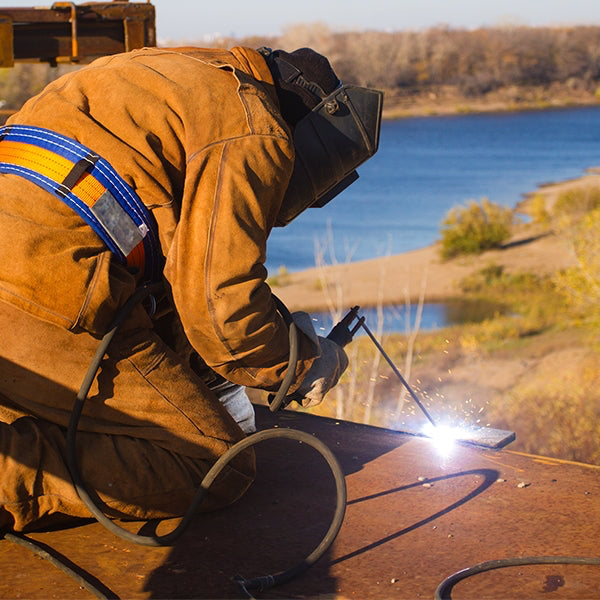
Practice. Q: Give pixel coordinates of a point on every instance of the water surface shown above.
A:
(427, 165)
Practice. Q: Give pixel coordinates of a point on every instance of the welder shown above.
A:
(165, 166)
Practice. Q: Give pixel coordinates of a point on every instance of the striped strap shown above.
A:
(90, 186)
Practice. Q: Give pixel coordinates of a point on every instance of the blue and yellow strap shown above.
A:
(90, 186)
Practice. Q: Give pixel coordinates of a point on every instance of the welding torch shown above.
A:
(342, 334)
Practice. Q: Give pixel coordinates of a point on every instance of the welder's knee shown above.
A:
(231, 484)
(134, 478)
(35, 485)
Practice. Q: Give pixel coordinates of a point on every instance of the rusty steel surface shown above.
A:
(413, 518)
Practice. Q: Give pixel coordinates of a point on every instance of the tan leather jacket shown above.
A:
(198, 135)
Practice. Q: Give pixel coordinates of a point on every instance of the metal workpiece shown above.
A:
(415, 515)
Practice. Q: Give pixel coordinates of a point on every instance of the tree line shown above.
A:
(474, 61)
(477, 61)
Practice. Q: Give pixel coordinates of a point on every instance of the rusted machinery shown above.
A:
(66, 32)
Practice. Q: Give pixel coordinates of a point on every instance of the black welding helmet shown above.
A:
(331, 139)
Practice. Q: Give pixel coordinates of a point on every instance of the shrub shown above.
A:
(281, 279)
(538, 211)
(580, 284)
(495, 281)
(476, 227)
(557, 416)
(577, 202)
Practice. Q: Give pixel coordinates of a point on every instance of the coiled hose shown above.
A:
(258, 583)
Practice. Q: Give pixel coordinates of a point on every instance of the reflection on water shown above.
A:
(435, 315)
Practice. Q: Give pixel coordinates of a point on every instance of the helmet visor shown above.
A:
(337, 136)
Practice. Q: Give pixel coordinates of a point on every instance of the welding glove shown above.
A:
(327, 368)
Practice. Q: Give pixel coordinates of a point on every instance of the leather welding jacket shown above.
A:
(198, 134)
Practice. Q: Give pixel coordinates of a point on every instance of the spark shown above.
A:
(444, 437)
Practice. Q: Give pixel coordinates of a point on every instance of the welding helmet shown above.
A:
(334, 130)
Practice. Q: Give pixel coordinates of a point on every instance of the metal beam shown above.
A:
(77, 33)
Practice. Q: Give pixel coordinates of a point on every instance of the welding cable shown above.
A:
(169, 538)
(94, 587)
(276, 401)
(443, 590)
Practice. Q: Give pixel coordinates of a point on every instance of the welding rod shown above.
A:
(389, 361)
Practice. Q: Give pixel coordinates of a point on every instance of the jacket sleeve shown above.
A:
(215, 265)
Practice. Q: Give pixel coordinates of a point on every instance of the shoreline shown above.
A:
(397, 279)
(447, 101)
(421, 273)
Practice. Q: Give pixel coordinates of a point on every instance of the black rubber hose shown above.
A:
(63, 564)
(276, 402)
(170, 538)
(265, 582)
(443, 590)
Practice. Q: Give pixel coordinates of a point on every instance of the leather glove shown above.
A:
(327, 368)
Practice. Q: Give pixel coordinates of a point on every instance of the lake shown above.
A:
(402, 318)
(427, 165)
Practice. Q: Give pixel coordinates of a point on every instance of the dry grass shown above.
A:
(558, 414)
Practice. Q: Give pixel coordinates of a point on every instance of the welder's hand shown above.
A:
(323, 374)
(304, 323)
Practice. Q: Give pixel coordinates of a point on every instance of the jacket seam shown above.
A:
(42, 308)
(246, 108)
(144, 373)
(225, 141)
(91, 288)
(208, 270)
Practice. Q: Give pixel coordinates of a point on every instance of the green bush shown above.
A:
(476, 227)
(538, 211)
(482, 279)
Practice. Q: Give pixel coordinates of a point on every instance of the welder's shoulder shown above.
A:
(186, 60)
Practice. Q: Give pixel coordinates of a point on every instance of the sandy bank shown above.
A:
(448, 100)
(393, 279)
